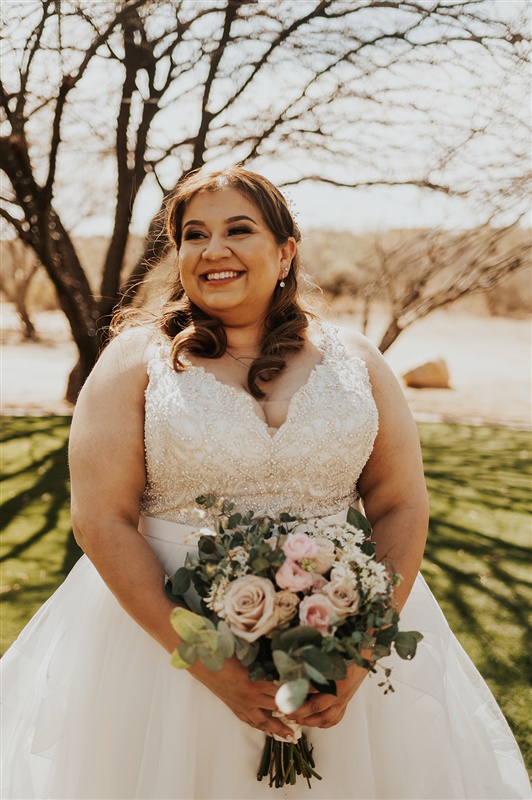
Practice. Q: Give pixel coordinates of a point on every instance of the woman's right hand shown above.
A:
(251, 701)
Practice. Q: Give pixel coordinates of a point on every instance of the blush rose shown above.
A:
(343, 594)
(290, 576)
(317, 611)
(298, 546)
(250, 608)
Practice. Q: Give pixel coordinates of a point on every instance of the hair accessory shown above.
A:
(291, 205)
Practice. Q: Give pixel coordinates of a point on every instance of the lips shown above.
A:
(220, 276)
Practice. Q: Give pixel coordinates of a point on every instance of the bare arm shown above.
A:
(108, 479)
(392, 488)
(392, 484)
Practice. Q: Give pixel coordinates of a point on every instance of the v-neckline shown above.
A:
(248, 400)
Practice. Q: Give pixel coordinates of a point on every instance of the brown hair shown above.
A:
(194, 331)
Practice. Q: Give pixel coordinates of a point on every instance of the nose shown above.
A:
(216, 249)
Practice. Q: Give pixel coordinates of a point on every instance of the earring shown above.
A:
(282, 284)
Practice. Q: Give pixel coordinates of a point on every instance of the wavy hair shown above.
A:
(195, 332)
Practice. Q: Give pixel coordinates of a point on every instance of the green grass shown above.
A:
(477, 557)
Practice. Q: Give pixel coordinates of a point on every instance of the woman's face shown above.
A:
(229, 260)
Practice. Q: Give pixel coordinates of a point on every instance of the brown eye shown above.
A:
(239, 230)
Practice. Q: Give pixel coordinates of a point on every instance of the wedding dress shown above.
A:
(93, 708)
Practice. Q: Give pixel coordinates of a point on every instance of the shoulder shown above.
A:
(359, 346)
(385, 387)
(122, 368)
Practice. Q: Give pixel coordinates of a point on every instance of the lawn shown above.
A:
(477, 557)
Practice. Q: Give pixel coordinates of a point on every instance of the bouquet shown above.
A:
(297, 602)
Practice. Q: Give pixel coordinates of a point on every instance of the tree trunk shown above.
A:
(390, 335)
(28, 328)
(365, 314)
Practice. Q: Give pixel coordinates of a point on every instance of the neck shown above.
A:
(244, 340)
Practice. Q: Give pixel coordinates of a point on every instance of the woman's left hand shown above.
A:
(326, 710)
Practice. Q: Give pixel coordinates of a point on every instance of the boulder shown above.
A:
(431, 375)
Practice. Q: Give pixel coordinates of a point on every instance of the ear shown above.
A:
(287, 253)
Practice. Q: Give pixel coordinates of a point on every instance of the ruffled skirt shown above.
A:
(93, 709)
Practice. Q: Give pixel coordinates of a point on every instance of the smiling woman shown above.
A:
(236, 390)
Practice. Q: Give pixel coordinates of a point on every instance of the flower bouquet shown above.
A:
(297, 602)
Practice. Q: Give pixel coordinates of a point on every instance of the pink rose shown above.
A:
(298, 546)
(316, 611)
(318, 582)
(290, 576)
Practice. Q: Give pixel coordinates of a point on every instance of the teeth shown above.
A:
(218, 276)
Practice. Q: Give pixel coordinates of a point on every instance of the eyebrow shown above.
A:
(229, 219)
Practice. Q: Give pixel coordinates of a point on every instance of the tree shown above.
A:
(425, 270)
(115, 97)
(19, 267)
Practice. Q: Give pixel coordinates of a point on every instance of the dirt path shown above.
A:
(489, 361)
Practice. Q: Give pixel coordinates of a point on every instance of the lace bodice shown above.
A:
(203, 436)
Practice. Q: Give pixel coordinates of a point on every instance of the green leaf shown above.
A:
(180, 581)
(315, 657)
(358, 520)
(296, 637)
(178, 662)
(187, 624)
(234, 520)
(315, 675)
(290, 696)
(406, 643)
(213, 661)
(260, 564)
(227, 640)
(286, 666)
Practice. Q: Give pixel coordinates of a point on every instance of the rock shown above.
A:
(431, 375)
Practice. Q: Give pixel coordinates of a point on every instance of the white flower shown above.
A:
(374, 578)
(215, 600)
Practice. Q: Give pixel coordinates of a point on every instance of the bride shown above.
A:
(235, 390)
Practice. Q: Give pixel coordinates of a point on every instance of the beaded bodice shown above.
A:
(204, 437)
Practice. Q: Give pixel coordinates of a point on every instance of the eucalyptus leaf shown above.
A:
(358, 520)
(291, 696)
(180, 581)
(406, 644)
(177, 661)
(214, 661)
(187, 624)
(316, 658)
(286, 666)
(296, 637)
(260, 564)
(227, 640)
(314, 675)
(251, 654)
(234, 520)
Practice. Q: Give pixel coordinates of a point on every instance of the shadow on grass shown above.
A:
(38, 483)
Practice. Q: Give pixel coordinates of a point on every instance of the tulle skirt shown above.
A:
(93, 709)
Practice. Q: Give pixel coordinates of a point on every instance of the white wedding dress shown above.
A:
(92, 707)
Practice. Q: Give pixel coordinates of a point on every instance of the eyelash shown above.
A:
(237, 231)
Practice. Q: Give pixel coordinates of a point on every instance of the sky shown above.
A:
(316, 205)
